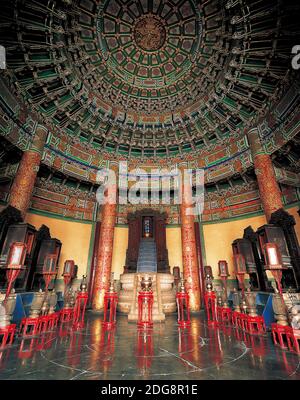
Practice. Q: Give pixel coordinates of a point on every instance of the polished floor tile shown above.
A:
(166, 352)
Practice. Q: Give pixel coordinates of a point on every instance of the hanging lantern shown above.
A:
(274, 262)
(49, 269)
(80, 305)
(110, 306)
(145, 303)
(15, 263)
(182, 300)
(240, 270)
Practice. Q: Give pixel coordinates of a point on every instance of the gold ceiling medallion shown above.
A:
(149, 32)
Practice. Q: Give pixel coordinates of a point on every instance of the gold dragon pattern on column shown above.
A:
(23, 185)
(269, 190)
(189, 254)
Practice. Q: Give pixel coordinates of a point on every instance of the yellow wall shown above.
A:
(119, 252)
(75, 238)
(218, 238)
(174, 246)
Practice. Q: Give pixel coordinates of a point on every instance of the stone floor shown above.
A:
(166, 353)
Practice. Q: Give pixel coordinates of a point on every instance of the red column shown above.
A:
(189, 253)
(22, 188)
(105, 252)
(269, 190)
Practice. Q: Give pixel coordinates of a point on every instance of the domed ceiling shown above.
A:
(149, 78)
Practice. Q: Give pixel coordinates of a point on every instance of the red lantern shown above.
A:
(15, 263)
(110, 306)
(145, 304)
(240, 270)
(274, 262)
(182, 300)
(80, 305)
(49, 269)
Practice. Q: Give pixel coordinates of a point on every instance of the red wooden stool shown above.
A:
(66, 315)
(293, 339)
(30, 326)
(7, 334)
(44, 323)
(54, 319)
(238, 334)
(256, 325)
(243, 322)
(227, 330)
(279, 334)
(224, 314)
(235, 316)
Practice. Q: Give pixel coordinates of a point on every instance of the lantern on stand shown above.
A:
(110, 305)
(240, 270)
(80, 305)
(183, 309)
(274, 263)
(145, 303)
(69, 272)
(49, 269)
(210, 297)
(223, 309)
(223, 273)
(15, 264)
(176, 274)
